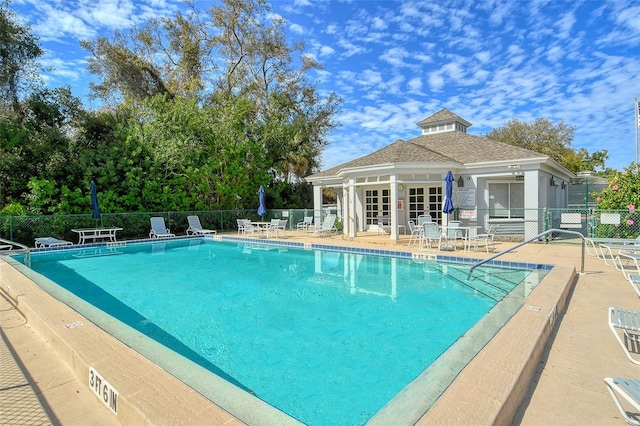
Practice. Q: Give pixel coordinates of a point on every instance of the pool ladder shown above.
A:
(27, 256)
(537, 237)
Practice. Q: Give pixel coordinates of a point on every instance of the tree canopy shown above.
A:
(201, 108)
(551, 139)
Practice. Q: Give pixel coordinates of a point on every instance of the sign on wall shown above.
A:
(464, 197)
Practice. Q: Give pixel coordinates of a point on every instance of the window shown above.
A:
(416, 203)
(506, 200)
(377, 203)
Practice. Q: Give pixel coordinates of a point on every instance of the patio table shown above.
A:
(96, 234)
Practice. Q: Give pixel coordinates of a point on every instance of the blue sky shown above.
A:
(396, 62)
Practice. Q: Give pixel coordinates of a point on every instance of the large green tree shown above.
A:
(234, 50)
(551, 139)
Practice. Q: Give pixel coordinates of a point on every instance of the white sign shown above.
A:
(103, 390)
(467, 214)
(464, 197)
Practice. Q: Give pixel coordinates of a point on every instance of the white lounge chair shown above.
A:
(596, 244)
(196, 228)
(327, 225)
(158, 229)
(634, 280)
(629, 391)
(51, 242)
(305, 224)
(625, 325)
(629, 257)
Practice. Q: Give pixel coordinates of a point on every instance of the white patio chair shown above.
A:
(488, 238)
(415, 232)
(456, 234)
(304, 225)
(431, 232)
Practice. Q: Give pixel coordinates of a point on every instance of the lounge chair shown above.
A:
(634, 280)
(158, 229)
(597, 243)
(196, 228)
(431, 232)
(327, 225)
(628, 257)
(628, 321)
(629, 391)
(304, 225)
(51, 242)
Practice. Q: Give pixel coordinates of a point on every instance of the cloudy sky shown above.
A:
(396, 62)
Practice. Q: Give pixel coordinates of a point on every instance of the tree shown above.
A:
(553, 140)
(19, 50)
(177, 57)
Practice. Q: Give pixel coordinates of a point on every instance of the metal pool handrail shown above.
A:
(27, 258)
(562, 231)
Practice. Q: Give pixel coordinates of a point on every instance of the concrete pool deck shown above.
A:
(567, 386)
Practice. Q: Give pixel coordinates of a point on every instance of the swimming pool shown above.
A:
(296, 327)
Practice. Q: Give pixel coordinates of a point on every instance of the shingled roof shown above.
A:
(441, 117)
(452, 146)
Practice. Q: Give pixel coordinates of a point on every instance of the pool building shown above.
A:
(495, 183)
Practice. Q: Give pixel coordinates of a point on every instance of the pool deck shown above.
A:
(37, 387)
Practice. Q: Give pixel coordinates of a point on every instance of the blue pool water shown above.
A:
(325, 336)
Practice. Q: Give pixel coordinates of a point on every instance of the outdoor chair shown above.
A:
(629, 391)
(631, 258)
(625, 325)
(456, 234)
(415, 232)
(431, 232)
(424, 218)
(304, 225)
(488, 238)
(196, 228)
(634, 280)
(159, 229)
(51, 242)
(384, 224)
(327, 225)
(275, 227)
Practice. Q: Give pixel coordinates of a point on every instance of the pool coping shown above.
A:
(76, 356)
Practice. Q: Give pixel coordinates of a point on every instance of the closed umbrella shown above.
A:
(262, 210)
(448, 202)
(95, 208)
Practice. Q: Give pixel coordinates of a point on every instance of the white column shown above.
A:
(317, 205)
(351, 216)
(532, 193)
(393, 220)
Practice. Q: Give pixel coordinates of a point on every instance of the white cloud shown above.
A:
(297, 29)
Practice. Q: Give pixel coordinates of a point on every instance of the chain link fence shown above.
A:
(25, 229)
(513, 225)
